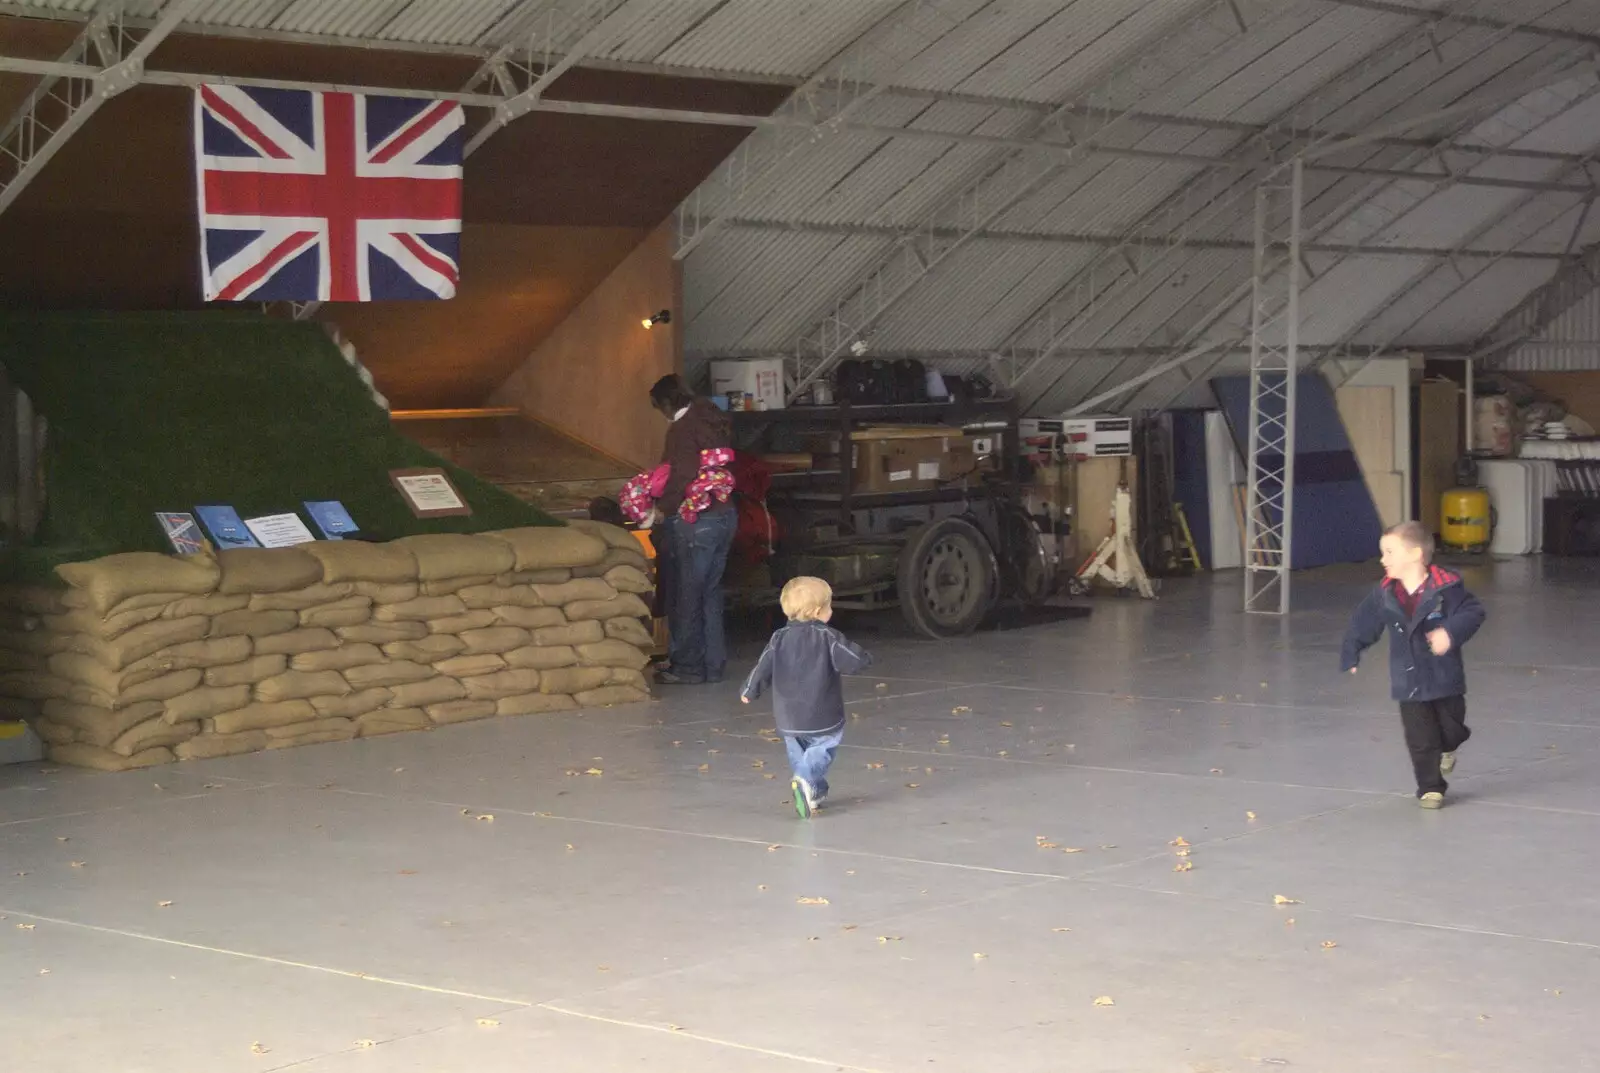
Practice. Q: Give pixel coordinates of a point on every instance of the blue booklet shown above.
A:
(183, 532)
(331, 517)
(226, 527)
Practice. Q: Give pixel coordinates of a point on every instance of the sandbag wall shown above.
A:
(145, 659)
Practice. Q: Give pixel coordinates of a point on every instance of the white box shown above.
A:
(761, 379)
(1085, 437)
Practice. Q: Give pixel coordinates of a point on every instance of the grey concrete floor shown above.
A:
(998, 858)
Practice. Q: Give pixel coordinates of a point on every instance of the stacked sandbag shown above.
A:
(144, 658)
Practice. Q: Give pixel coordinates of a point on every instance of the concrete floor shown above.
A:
(352, 907)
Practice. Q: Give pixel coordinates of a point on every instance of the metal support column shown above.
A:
(1274, 367)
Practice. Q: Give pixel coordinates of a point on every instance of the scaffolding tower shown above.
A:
(1274, 365)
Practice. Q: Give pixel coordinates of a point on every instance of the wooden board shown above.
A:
(1438, 446)
(1368, 415)
(1096, 488)
(1389, 494)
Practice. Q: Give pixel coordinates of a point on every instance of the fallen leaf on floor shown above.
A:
(1278, 899)
(1048, 845)
(850, 927)
(79, 864)
(366, 1044)
(849, 871)
(1263, 685)
(1179, 841)
(1183, 866)
(256, 1048)
(1003, 753)
(1005, 724)
(487, 817)
(758, 764)
(980, 957)
(1105, 1000)
(705, 767)
(911, 786)
(1484, 1017)
(571, 848)
(1071, 849)
(218, 785)
(62, 838)
(677, 743)
(1182, 852)
(761, 886)
(713, 752)
(944, 740)
(813, 938)
(1289, 923)
(1216, 771)
(1557, 991)
(927, 771)
(1328, 944)
(602, 968)
(594, 771)
(769, 775)
(468, 811)
(158, 786)
(674, 1028)
(21, 874)
(1251, 816)
(775, 847)
(960, 709)
(811, 901)
(163, 905)
(488, 1022)
(25, 927)
(408, 871)
(877, 766)
(1219, 698)
(1058, 931)
(1109, 845)
(881, 685)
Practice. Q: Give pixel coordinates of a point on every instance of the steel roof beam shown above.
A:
(1203, 200)
(1389, 7)
(1111, 241)
(1572, 283)
(1002, 180)
(60, 105)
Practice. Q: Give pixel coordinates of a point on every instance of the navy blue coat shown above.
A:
(802, 665)
(1415, 673)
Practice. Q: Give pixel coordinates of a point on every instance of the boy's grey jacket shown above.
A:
(1415, 673)
(801, 665)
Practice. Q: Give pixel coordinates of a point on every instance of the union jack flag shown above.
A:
(327, 196)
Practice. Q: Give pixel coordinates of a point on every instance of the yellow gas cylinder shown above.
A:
(1464, 518)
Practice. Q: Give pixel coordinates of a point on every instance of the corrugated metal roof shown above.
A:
(1299, 63)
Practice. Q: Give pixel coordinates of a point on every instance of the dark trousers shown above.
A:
(694, 614)
(1433, 727)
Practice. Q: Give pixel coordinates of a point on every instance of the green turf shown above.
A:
(166, 411)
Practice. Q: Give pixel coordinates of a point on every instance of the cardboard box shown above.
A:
(910, 460)
(1082, 437)
(761, 379)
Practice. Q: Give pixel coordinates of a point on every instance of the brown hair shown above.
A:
(1414, 535)
(806, 599)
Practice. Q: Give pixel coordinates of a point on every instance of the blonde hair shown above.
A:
(806, 599)
(1414, 535)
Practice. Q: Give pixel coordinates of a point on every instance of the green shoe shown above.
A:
(1447, 763)
(802, 797)
(1433, 799)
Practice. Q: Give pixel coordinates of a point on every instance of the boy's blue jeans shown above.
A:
(810, 757)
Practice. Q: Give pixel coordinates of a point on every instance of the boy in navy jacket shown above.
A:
(1428, 615)
(802, 665)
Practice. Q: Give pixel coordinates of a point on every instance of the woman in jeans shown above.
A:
(698, 550)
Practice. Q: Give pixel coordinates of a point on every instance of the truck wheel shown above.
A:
(947, 578)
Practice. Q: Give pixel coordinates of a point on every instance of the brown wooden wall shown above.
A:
(553, 203)
(591, 376)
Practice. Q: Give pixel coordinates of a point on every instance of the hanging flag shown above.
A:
(330, 197)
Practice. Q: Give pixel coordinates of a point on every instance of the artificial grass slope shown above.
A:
(167, 411)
